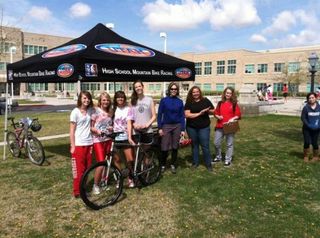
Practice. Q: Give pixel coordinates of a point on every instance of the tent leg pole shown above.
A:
(5, 124)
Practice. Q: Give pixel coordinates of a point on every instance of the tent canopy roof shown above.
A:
(100, 55)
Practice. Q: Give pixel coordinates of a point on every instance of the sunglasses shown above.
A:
(173, 89)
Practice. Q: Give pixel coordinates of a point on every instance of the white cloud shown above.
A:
(291, 28)
(40, 13)
(200, 48)
(281, 23)
(80, 9)
(256, 38)
(161, 15)
(235, 13)
(188, 14)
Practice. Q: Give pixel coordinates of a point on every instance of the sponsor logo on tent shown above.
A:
(65, 70)
(65, 50)
(10, 74)
(183, 73)
(126, 50)
(91, 70)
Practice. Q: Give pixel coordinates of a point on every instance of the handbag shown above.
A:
(184, 142)
(231, 127)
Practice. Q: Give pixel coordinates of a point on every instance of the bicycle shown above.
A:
(23, 137)
(147, 170)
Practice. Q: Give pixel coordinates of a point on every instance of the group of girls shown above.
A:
(89, 127)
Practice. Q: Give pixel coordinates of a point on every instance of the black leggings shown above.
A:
(310, 137)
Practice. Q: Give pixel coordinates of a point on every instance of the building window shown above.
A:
(119, 87)
(279, 67)
(277, 87)
(293, 67)
(157, 87)
(249, 68)
(3, 66)
(150, 87)
(262, 68)
(68, 86)
(198, 68)
(232, 66)
(5, 47)
(90, 86)
(220, 66)
(207, 68)
(231, 85)
(198, 85)
(37, 87)
(260, 85)
(219, 87)
(33, 49)
(207, 86)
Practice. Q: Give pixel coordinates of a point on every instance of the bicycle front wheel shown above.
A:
(149, 168)
(35, 150)
(13, 144)
(101, 185)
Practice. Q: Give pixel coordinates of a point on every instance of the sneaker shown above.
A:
(96, 190)
(216, 160)
(163, 169)
(227, 163)
(131, 183)
(173, 169)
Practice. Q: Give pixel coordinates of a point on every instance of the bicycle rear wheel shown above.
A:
(149, 168)
(108, 185)
(35, 150)
(13, 144)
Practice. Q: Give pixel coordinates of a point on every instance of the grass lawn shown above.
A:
(267, 192)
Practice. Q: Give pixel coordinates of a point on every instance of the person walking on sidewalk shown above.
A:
(81, 139)
(227, 111)
(310, 117)
(171, 124)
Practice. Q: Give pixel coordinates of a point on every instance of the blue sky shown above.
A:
(191, 25)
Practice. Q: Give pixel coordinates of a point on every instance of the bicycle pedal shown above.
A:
(125, 172)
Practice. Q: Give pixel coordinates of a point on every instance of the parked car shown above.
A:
(3, 104)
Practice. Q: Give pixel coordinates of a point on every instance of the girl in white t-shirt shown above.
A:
(81, 139)
(122, 122)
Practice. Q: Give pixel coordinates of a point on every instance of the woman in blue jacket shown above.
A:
(171, 124)
(310, 117)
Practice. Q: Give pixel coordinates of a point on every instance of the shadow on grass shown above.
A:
(292, 134)
(58, 149)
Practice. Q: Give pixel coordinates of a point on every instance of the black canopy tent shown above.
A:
(100, 55)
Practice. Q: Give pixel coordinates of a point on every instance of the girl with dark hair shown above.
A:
(171, 124)
(143, 109)
(122, 122)
(310, 117)
(101, 126)
(227, 111)
(197, 109)
(81, 138)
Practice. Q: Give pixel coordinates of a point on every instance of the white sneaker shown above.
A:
(131, 183)
(96, 190)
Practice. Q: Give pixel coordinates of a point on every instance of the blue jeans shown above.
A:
(200, 137)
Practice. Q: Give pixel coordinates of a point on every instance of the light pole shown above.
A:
(313, 60)
(12, 50)
(164, 36)
(111, 27)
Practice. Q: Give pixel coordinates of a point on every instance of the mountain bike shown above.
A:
(147, 171)
(22, 137)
